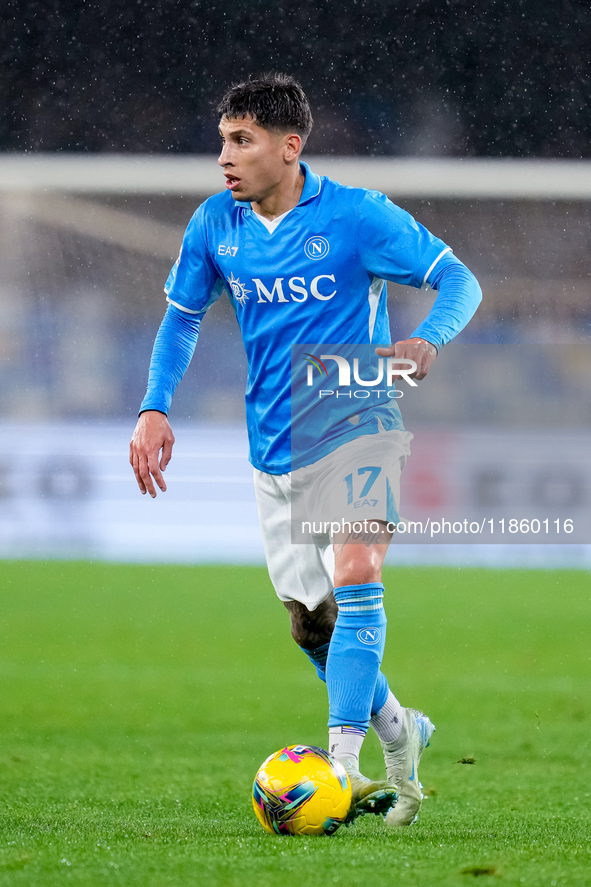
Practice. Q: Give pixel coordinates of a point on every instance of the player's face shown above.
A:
(253, 159)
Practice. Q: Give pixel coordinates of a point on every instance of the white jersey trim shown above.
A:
(319, 189)
(373, 298)
(182, 307)
(219, 288)
(424, 284)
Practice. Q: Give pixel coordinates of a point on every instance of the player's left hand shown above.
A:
(422, 352)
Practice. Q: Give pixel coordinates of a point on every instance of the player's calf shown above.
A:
(312, 628)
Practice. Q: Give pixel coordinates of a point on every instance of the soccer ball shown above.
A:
(301, 790)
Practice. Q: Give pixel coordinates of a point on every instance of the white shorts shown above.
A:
(358, 481)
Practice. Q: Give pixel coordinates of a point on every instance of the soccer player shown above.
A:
(305, 260)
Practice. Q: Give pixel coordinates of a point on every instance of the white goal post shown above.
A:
(408, 177)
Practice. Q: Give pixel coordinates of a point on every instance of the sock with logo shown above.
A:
(355, 654)
(344, 743)
(318, 658)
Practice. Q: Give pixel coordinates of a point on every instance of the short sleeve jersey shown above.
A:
(318, 277)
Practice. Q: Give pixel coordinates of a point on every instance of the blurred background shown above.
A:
(490, 79)
(474, 117)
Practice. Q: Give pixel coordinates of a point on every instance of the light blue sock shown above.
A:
(318, 659)
(355, 655)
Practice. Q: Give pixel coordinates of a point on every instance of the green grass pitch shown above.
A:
(137, 703)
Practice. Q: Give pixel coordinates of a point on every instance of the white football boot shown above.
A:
(368, 796)
(402, 759)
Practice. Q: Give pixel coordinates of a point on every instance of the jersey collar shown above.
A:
(312, 184)
(311, 189)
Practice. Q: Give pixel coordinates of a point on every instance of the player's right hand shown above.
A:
(152, 434)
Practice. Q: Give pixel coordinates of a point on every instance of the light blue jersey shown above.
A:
(318, 277)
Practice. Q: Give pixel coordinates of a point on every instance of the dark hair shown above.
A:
(274, 101)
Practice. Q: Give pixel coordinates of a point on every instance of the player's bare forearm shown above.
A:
(152, 437)
(422, 352)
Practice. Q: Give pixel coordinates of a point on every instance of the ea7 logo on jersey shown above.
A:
(224, 250)
(316, 247)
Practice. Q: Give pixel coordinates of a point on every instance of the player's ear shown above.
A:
(292, 147)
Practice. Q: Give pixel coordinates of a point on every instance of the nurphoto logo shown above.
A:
(386, 371)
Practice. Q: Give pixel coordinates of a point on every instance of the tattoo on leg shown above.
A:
(363, 536)
(312, 628)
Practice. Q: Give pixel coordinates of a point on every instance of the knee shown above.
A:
(359, 567)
